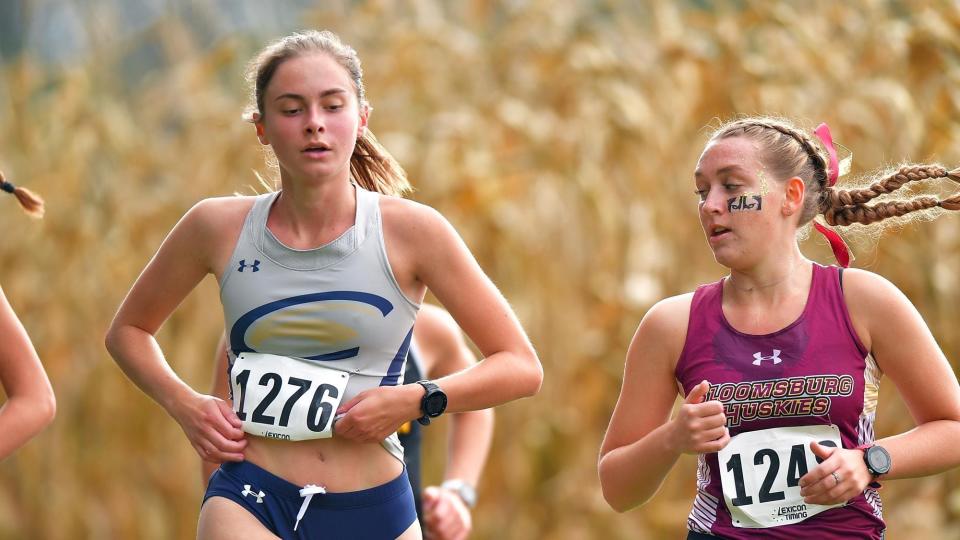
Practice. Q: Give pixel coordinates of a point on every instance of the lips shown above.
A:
(717, 230)
(315, 149)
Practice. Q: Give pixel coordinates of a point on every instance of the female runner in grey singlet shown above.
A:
(320, 283)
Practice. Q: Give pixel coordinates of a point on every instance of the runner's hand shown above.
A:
(212, 427)
(699, 426)
(822, 486)
(372, 415)
(445, 515)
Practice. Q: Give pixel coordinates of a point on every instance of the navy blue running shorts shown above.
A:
(292, 512)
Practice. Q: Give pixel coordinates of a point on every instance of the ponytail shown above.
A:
(372, 166)
(31, 203)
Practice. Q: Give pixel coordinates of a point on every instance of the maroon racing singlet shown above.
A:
(812, 380)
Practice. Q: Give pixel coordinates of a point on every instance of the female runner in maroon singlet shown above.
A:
(780, 361)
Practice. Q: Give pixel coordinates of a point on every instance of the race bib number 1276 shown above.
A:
(760, 473)
(286, 398)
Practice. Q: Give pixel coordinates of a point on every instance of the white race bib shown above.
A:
(286, 398)
(760, 473)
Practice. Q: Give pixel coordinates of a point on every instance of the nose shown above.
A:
(314, 121)
(714, 203)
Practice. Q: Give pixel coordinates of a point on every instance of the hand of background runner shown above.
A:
(213, 428)
(372, 415)
(445, 515)
(820, 487)
(699, 426)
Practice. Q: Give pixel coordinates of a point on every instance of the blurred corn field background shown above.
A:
(558, 137)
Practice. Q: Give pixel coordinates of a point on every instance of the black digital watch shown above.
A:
(433, 403)
(877, 459)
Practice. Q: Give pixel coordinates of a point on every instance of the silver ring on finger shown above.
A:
(836, 477)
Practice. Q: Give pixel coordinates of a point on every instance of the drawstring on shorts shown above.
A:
(308, 491)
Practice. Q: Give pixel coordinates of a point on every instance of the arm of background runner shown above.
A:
(30, 404)
(905, 350)
(182, 261)
(441, 261)
(220, 388)
(444, 351)
(642, 443)
(510, 368)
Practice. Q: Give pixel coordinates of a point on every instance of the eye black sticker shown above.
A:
(744, 203)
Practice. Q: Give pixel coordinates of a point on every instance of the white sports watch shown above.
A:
(465, 491)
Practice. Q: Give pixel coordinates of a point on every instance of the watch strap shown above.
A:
(429, 388)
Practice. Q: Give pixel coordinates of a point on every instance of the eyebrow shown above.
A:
(722, 171)
(325, 93)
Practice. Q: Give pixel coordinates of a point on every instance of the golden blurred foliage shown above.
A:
(558, 137)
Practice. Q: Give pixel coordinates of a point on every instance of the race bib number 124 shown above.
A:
(760, 473)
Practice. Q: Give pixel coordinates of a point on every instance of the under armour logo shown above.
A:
(255, 266)
(759, 358)
(246, 491)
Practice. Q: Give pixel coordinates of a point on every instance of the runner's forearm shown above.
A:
(139, 356)
(21, 418)
(921, 452)
(498, 379)
(630, 475)
(469, 443)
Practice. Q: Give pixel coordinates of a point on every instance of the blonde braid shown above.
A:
(867, 214)
(843, 207)
(806, 142)
(951, 203)
(893, 182)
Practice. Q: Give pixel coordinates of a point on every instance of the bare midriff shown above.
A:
(339, 465)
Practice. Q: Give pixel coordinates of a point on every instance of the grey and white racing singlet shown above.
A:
(338, 305)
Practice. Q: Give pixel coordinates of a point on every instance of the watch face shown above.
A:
(878, 459)
(435, 404)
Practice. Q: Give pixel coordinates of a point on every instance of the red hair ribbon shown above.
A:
(833, 169)
(840, 250)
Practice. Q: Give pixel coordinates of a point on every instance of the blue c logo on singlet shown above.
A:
(318, 326)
